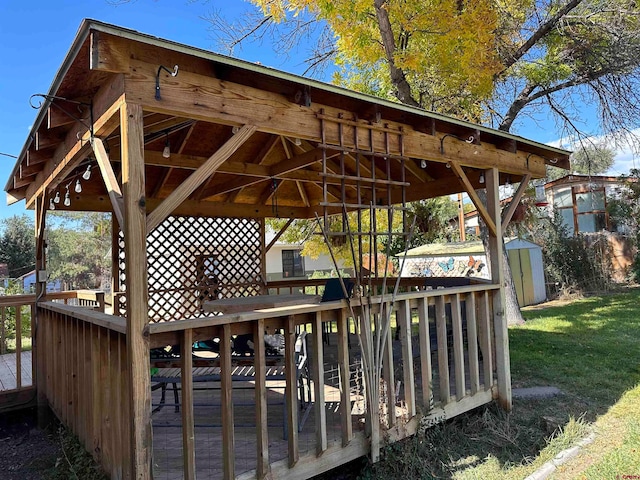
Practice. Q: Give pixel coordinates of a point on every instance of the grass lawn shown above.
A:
(590, 349)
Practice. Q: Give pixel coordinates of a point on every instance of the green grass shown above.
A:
(590, 349)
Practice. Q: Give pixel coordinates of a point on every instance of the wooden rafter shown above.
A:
(196, 178)
(279, 234)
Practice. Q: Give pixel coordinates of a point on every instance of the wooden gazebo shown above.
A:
(191, 151)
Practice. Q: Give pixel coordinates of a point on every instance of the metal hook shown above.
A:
(471, 139)
(160, 68)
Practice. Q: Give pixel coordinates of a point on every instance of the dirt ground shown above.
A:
(27, 452)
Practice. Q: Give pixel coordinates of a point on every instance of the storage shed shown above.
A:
(468, 259)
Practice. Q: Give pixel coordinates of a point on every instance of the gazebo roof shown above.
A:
(298, 125)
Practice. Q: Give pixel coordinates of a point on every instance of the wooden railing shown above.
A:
(82, 367)
(17, 332)
(443, 363)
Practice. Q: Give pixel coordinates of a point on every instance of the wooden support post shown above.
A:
(135, 239)
(345, 377)
(503, 367)
(291, 390)
(443, 355)
(226, 388)
(458, 345)
(109, 178)
(262, 436)
(425, 354)
(38, 351)
(515, 201)
(188, 429)
(472, 343)
(318, 385)
(404, 317)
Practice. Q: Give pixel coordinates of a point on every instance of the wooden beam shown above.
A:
(296, 162)
(495, 251)
(109, 53)
(515, 200)
(188, 428)
(57, 115)
(474, 197)
(47, 139)
(135, 237)
(75, 147)
(205, 98)
(303, 194)
(110, 181)
(190, 184)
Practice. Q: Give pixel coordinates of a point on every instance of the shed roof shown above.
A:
(277, 171)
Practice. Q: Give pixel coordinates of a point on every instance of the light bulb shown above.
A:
(78, 187)
(166, 152)
(423, 163)
(507, 183)
(67, 200)
(87, 173)
(481, 179)
(56, 199)
(297, 141)
(235, 129)
(52, 206)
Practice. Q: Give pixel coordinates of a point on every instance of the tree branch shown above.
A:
(542, 30)
(398, 77)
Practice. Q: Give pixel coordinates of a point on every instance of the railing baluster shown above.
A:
(458, 346)
(291, 391)
(472, 341)
(19, 346)
(226, 386)
(3, 340)
(404, 314)
(345, 376)
(188, 429)
(262, 439)
(443, 355)
(484, 331)
(318, 385)
(425, 352)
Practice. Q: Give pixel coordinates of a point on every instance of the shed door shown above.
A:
(520, 263)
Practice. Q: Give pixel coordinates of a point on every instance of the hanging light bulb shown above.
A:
(481, 179)
(52, 206)
(423, 163)
(56, 199)
(235, 129)
(166, 152)
(297, 141)
(507, 182)
(67, 200)
(87, 173)
(78, 187)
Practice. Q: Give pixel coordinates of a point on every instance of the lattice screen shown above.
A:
(191, 259)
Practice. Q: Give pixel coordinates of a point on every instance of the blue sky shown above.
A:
(35, 36)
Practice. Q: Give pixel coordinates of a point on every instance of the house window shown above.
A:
(292, 264)
(567, 220)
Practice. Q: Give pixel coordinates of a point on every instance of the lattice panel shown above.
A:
(193, 259)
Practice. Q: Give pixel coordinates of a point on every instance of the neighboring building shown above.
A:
(28, 283)
(285, 261)
(468, 259)
(582, 202)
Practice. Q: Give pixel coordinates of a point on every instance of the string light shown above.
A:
(481, 179)
(423, 163)
(78, 187)
(67, 200)
(56, 199)
(87, 173)
(52, 206)
(166, 152)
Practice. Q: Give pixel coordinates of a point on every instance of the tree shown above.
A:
(592, 158)
(79, 250)
(486, 60)
(17, 245)
(625, 212)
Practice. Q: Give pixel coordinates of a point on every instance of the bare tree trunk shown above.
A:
(513, 313)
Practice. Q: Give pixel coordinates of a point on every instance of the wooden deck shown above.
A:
(8, 371)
